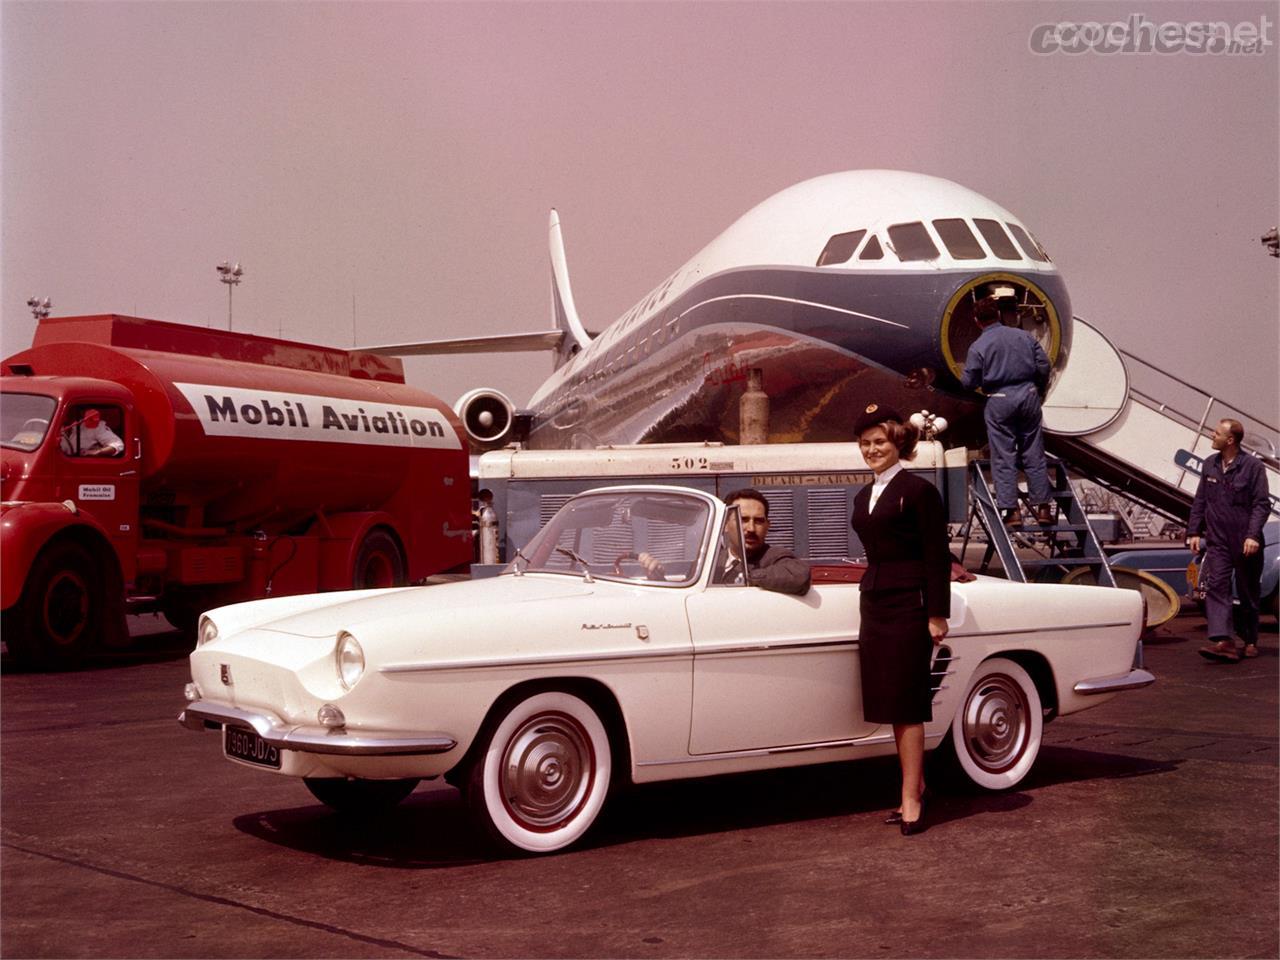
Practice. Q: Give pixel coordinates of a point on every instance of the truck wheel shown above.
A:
(61, 611)
(379, 562)
(183, 612)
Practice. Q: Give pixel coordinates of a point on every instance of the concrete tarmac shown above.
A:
(1147, 829)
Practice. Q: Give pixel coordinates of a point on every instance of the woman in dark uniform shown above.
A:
(905, 598)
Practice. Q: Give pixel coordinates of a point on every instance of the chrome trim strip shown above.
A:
(1133, 680)
(771, 751)
(1021, 630)
(769, 647)
(315, 739)
(626, 656)
(550, 661)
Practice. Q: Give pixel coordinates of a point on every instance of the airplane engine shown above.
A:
(487, 416)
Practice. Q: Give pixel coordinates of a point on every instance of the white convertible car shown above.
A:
(537, 690)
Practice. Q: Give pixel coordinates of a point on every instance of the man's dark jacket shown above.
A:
(778, 569)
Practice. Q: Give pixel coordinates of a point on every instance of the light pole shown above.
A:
(230, 276)
(40, 307)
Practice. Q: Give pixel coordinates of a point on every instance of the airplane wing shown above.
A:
(499, 343)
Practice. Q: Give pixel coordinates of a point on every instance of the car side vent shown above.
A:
(942, 668)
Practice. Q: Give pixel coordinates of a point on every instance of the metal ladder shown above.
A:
(1067, 543)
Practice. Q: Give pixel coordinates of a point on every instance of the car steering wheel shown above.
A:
(35, 423)
(617, 564)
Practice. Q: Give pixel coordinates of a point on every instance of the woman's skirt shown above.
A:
(895, 651)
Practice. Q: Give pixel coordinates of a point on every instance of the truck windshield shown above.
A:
(24, 420)
(649, 537)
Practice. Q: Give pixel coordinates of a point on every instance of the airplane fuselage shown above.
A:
(843, 290)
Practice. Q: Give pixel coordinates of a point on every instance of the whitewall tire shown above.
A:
(541, 777)
(997, 727)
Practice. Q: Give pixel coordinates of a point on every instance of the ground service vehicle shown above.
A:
(577, 667)
(241, 467)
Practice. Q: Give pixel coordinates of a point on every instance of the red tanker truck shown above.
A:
(156, 466)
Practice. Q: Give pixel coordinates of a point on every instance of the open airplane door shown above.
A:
(1092, 389)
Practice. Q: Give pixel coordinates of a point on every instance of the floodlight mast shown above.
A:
(41, 307)
(230, 275)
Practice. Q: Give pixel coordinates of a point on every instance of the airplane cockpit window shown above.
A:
(959, 239)
(1028, 245)
(911, 241)
(997, 239)
(839, 249)
(873, 250)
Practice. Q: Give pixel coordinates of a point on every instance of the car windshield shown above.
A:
(24, 420)
(643, 537)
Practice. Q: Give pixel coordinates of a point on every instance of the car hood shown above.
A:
(407, 606)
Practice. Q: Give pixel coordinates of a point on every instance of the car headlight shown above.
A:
(350, 660)
(207, 632)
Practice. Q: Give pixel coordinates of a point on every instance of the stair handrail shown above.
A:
(1200, 424)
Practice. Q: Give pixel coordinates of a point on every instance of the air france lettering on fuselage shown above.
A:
(266, 414)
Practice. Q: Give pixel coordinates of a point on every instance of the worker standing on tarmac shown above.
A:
(1231, 505)
(1011, 368)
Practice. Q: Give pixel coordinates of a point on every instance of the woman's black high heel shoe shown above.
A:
(911, 827)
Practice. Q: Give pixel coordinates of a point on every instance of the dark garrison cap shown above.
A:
(874, 415)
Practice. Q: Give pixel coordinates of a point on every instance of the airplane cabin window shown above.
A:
(1029, 246)
(839, 249)
(873, 250)
(997, 239)
(959, 239)
(911, 241)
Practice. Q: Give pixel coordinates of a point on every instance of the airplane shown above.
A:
(841, 290)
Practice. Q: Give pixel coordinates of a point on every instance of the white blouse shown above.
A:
(882, 481)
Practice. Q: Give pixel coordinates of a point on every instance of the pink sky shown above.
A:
(407, 155)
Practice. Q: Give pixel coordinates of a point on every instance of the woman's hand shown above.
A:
(937, 629)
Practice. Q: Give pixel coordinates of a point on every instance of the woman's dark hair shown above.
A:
(902, 435)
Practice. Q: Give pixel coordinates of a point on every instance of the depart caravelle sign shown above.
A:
(269, 414)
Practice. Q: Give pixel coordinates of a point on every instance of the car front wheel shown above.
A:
(996, 730)
(542, 775)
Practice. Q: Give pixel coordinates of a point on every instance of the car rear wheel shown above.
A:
(359, 796)
(996, 732)
(541, 776)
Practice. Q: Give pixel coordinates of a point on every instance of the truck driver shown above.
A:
(89, 436)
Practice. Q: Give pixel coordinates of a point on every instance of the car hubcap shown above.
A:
(995, 723)
(547, 769)
(66, 607)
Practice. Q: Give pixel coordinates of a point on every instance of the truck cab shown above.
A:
(69, 482)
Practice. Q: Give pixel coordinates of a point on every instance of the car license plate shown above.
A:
(241, 743)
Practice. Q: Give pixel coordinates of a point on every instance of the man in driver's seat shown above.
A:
(91, 437)
(768, 567)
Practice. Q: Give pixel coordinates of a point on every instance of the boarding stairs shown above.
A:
(1131, 426)
(1031, 550)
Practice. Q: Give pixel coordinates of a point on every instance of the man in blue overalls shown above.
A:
(1012, 369)
(1231, 505)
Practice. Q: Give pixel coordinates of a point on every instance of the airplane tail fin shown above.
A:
(564, 313)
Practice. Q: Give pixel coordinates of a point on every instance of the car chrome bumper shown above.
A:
(1132, 680)
(203, 715)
